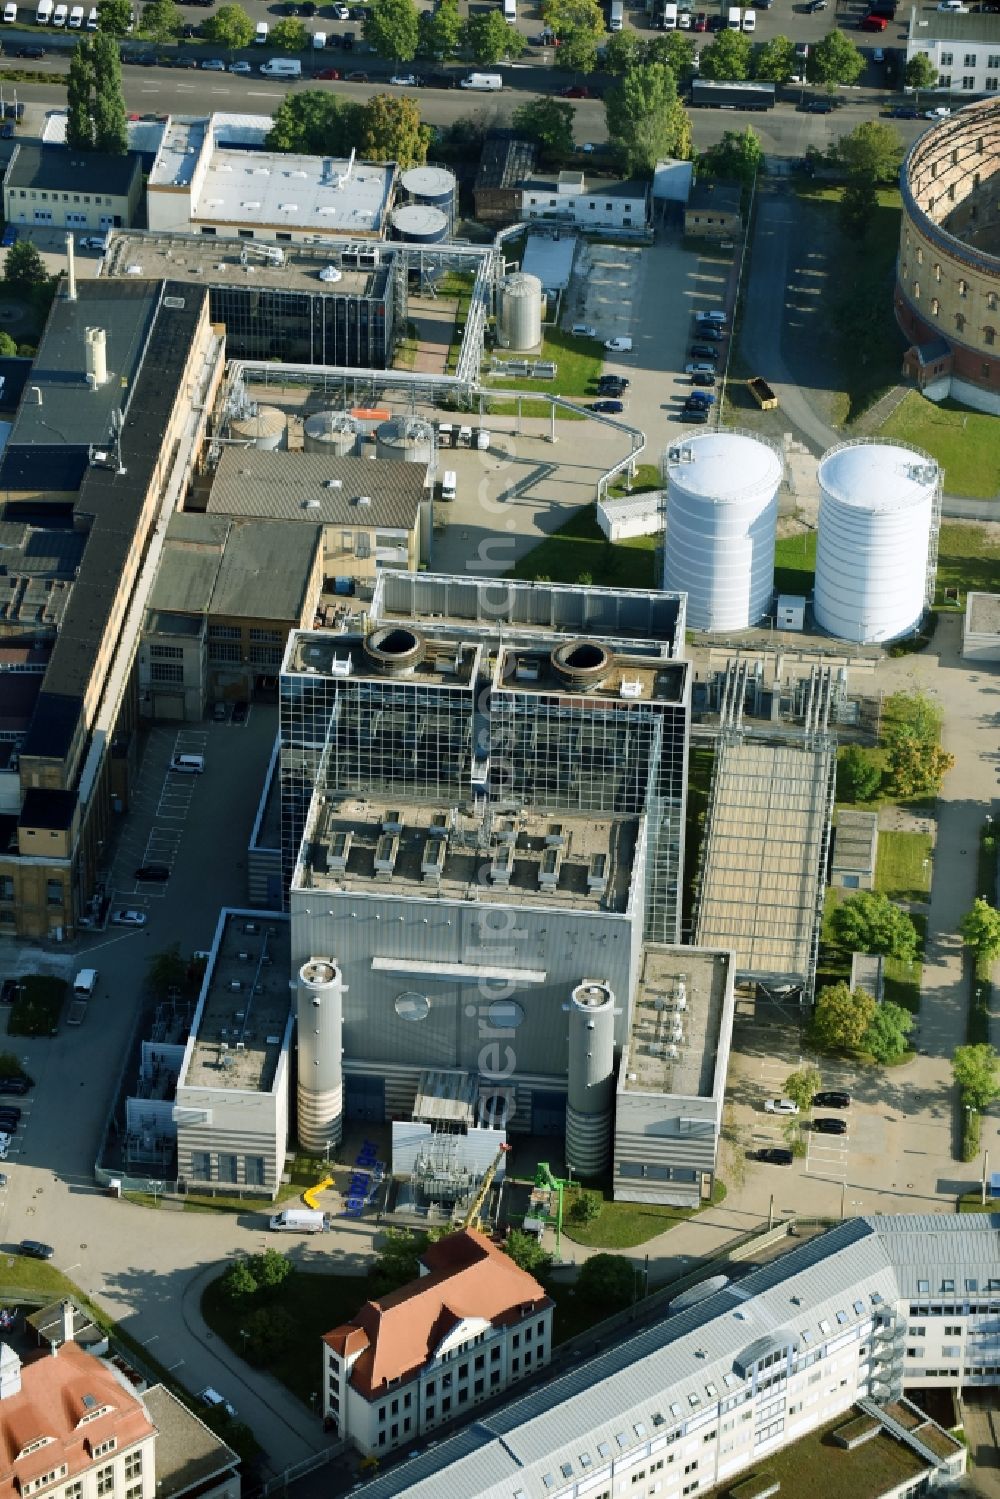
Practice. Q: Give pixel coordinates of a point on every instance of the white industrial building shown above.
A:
(206, 180)
(981, 627)
(825, 1339)
(876, 543)
(569, 198)
(632, 515)
(722, 516)
(964, 48)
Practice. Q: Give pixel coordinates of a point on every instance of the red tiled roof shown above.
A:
(469, 1277)
(57, 1390)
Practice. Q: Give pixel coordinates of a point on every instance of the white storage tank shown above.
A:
(879, 504)
(419, 224)
(266, 428)
(330, 432)
(520, 311)
(435, 186)
(407, 439)
(722, 515)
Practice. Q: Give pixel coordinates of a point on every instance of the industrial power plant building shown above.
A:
(482, 824)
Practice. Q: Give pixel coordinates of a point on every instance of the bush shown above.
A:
(859, 775)
(587, 1207)
(970, 1131)
(238, 1283)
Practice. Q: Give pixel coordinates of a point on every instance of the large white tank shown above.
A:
(435, 186)
(266, 428)
(419, 224)
(521, 311)
(722, 513)
(878, 502)
(330, 432)
(407, 439)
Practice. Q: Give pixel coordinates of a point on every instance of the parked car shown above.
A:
(350, 78)
(212, 1398)
(619, 345)
(308, 9)
(153, 872)
(440, 80)
(35, 1249)
(7, 131)
(878, 56)
(775, 1156)
(10, 1111)
(834, 1099)
(816, 5)
(8, 1127)
(214, 65)
(17, 1083)
(610, 408)
(606, 382)
(700, 22)
(700, 398)
(575, 91)
(341, 13)
(325, 75)
(128, 917)
(703, 379)
(720, 319)
(781, 1106)
(816, 107)
(405, 80)
(185, 62)
(695, 415)
(240, 67)
(830, 1126)
(703, 351)
(220, 711)
(700, 367)
(903, 112)
(583, 330)
(241, 708)
(941, 113)
(35, 52)
(9, 237)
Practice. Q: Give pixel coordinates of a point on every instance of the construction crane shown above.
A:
(472, 1217)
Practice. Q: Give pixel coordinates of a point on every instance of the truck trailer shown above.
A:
(708, 93)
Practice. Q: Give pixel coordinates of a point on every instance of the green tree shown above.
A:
(398, 1259)
(859, 775)
(920, 72)
(166, 971)
(623, 50)
(842, 1019)
(587, 1208)
(229, 27)
(869, 922)
(114, 17)
(440, 32)
(313, 123)
(579, 25)
(393, 30)
(389, 129)
(858, 207)
(980, 929)
(268, 1332)
(802, 1086)
(290, 35)
(728, 57)
(738, 155)
(162, 20)
(914, 766)
(270, 1270)
(526, 1252)
(872, 149)
(491, 38)
(548, 122)
(835, 60)
(8, 348)
(775, 60)
(675, 49)
(238, 1283)
(110, 118)
(646, 120)
(607, 1280)
(976, 1070)
(79, 98)
(24, 267)
(887, 1036)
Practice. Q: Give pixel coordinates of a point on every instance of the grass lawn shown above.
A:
(38, 1006)
(902, 980)
(623, 1225)
(903, 866)
(965, 443)
(580, 547)
(647, 477)
(968, 560)
(795, 563)
(972, 1202)
(579, 362)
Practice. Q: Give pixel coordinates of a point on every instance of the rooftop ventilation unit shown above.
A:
(339, 851)
(631, 689)
(333, 483)
(597, 874)
(432, 860)
(392, 822)
(341, 666)
(502, 866)
(527, 671)
(548, 868)
(386, 853)
(555, 837)
(363, 499)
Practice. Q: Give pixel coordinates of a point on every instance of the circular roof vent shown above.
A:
(582, 664)
(395, 650)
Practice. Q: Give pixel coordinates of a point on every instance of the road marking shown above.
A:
(258, 94)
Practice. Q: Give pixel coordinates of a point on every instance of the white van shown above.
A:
(263, 30)
(735, 22)
(85, 983)
(10, 11)
(319, 40)
(510, 12)
(486, 82)
(60, 15)
(300, 1221)
(449, 485)
(670, 17)
(76, 18)
(92, 19)
(43, 15)
(616, 16)
(191, 765)
(749, 20)
(282, 67)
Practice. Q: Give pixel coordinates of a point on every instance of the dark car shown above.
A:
(610, 408)
(185, 62)
(8, 1125)
(153, 872)
(347, 41)
(832, 1100)
(439, 80)
(7, 131)
(698, 415)
(28, 52)
(613, 382)
(611, 388)
(775, 1155)
(716, 23)
(308, 9)
(817, 107)
(703, 351)
(700, 398)
(16, 1083)
(903, 112)
(10, 1111)
(714, 332)
(575, 91)
(35, 1249)
(241, 709)
(188, 30)
(698, 379)
(829, 1126)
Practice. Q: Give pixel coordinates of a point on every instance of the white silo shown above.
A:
(267, 427)
(879, 508)
(520, 311)
(722, 514)
(331, 432)
(407, 439)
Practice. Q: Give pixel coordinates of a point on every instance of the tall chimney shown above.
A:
(97, 363)
(70, 270)
(68, 1320)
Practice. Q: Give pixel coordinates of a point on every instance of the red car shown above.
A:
(577, 91)
(328, 75)
(873, 23)
(700, 21)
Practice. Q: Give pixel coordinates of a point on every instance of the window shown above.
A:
(6, 887)
(54, 892)
(135, 1492)
(224, 632)
(201, 1165)
(106, 1479)
(268, 637)
(951, 1350)
(133, 1466)
(73, 1490)
(953, 1330)
(960, 322)
(937, 271)
(221, 653)
(992, 61)
(691, 1467)
(167, 652)
(968, 62)
(947, 58)
(166, 671)
(253, 1175)
(944, 81)
(227, 1168)
(991, 85)
(949, 1285)
(916, 291)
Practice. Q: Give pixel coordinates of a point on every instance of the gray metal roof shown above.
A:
(680, 1367)
(928, 1251)
(44, 167)
(949, 27)
(253, 569)
(297, 486)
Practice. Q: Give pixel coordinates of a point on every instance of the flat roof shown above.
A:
(819, 1466)
(188, 1454)
(761, 881)
(41, 167)
(576, 185)
(855, 842)
(629, 678)
(982, 614)
(212, 260)
(394, 847)
(679, 989)
(39, 571)
(505, 160)
(318, 488)
(346, 657)
(946, 26)
(244, 569)
(243, 1012)
(723, 197)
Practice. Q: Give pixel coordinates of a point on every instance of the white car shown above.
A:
(93, 242)
(341, 13)
(780, 1106)
(749, 20)
(583, 330)
(211, 1397)
(712, 317)
(618, 345)
(240, 67)
(941, 113)
(404, 80)
(214, 65)
(128, 918)
(700, 367)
